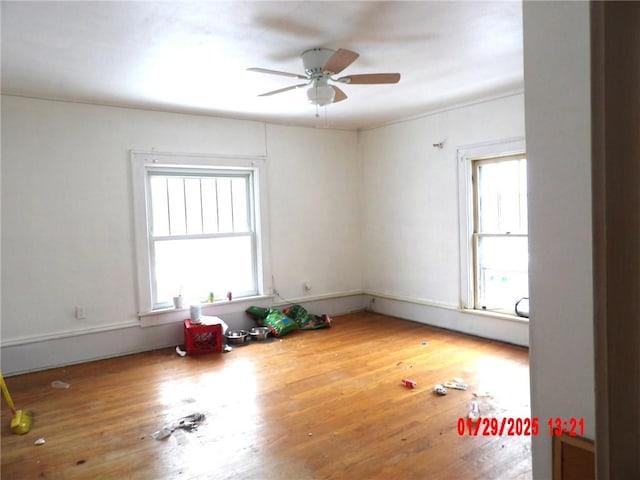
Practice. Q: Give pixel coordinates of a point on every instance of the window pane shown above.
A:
(209, 206)
(524, 221)
(199, 266)
(159, 205)
(502, 271)
(488, 188)
(192, 205)
(225, 211)
(502, 197)
(240, 212)
(177, 218)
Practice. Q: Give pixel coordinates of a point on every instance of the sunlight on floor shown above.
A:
(233, 421)
(504, 385)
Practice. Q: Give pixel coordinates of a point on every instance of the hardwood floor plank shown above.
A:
(325, 404)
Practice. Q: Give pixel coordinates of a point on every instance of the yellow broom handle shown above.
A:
(7, 397)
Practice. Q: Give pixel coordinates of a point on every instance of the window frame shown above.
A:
(143, 162)
(477, 235)
(467, 155)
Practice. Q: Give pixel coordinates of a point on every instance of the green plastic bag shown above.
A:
(304, 320)
(279, 323)
(258, 314)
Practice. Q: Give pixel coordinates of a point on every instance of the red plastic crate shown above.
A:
(199, 339)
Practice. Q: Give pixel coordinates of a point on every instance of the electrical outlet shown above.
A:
(307, 286)
(81, 314)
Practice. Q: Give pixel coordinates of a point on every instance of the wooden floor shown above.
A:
(324, 404)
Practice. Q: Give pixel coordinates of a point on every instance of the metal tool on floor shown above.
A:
(21, 421)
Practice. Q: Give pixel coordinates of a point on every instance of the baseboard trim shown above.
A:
(28, 354)
(494, 327)
(41, 352)
(417, 301)
(66, 334)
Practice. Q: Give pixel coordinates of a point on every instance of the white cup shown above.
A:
(195, 311)
(177, 301)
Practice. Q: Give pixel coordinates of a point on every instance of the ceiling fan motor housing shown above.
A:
(314, 59)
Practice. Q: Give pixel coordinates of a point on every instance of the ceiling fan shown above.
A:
(320, 65)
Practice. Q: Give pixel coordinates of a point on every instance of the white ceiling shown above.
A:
(192, 56)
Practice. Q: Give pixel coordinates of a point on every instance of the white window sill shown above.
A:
(172, 315)
(494, 314)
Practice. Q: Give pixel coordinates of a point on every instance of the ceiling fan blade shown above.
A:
(370, 78)
(340, 60)
(277, 72)
(340, 95)
(285, 89)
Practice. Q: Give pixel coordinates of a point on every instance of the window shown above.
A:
(500, 245)
(198, 227)
(494, 258)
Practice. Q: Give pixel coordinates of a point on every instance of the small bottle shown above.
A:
(474, 411)
(409, 383)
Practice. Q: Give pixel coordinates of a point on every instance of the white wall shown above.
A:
(558, 118)
(67, 221)
(376, 210)
(411, 226)
(315, 189)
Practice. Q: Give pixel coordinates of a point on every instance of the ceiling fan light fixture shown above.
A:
(321, 95)
(320, 65)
